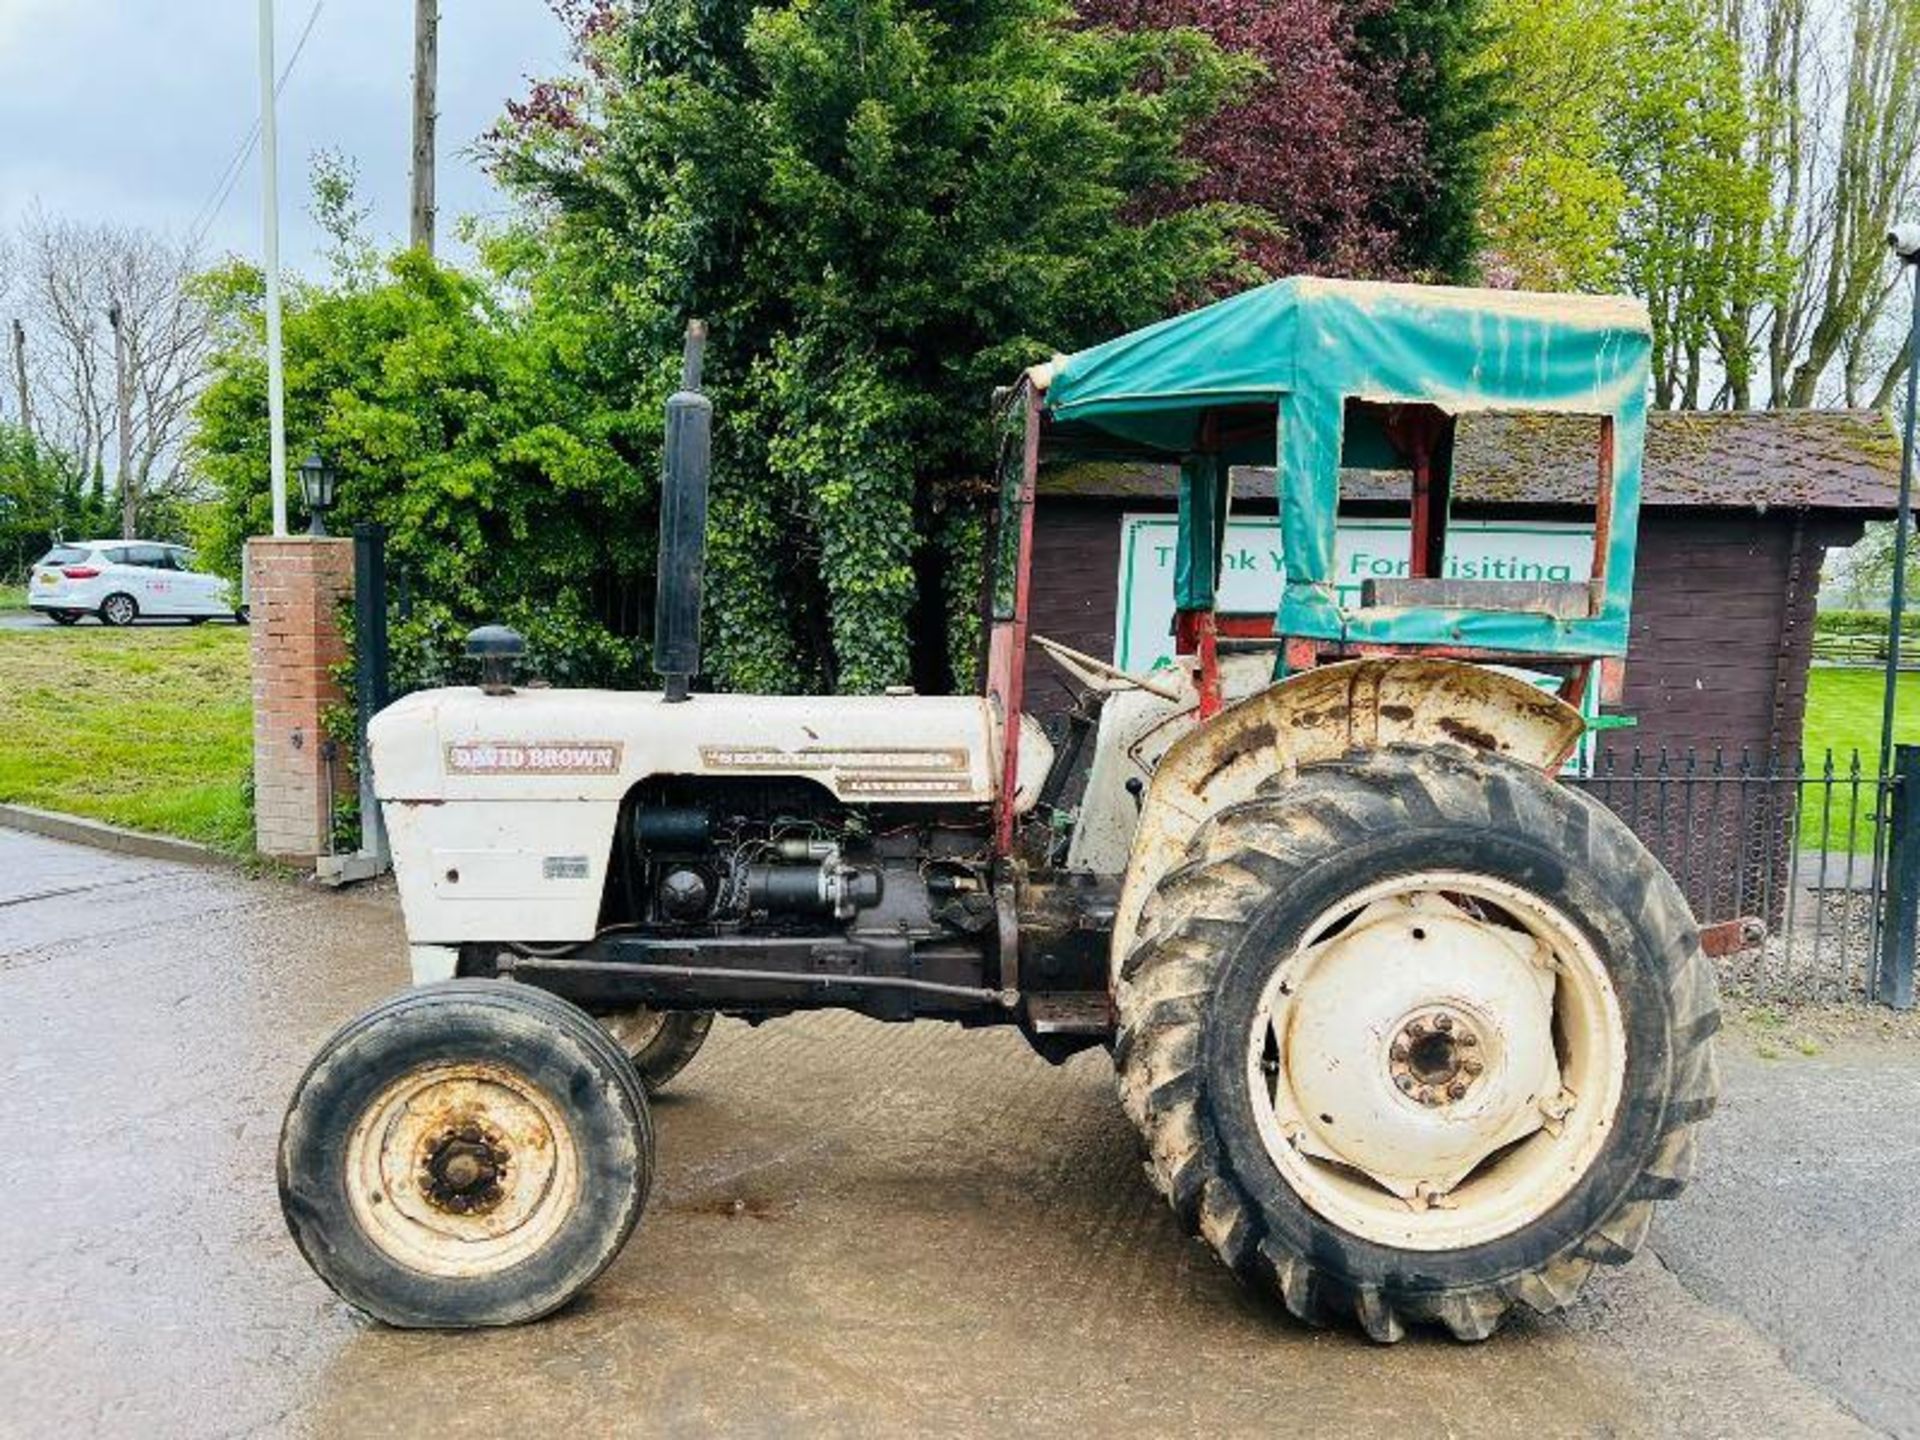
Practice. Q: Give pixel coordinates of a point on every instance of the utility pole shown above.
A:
(426, 65)
(20, 374)
(270, 205)
(123, 422)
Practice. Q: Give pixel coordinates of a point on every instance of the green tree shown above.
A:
(1736, 164)
(1679, 140)
(1554, 198)
(467, 421)
(1854, 171)
(1636, 157)
(43, 497)
(884, 208)
(1440, 55)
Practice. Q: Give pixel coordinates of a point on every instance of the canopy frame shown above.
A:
(1305, 374)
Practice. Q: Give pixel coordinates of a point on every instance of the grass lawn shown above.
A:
(1843, 712)
(13, 597)
(148, 728)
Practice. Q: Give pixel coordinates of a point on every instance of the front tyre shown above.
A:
(659, 1043)
(1418, 1037)
(464, 1154)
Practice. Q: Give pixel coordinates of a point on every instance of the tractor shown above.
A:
(1412, 1032)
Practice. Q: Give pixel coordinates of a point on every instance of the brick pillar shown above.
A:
(296, 585)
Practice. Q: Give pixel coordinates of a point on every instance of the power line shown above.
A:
(208, 213)
(230, 177)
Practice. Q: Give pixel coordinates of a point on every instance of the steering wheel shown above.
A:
(1099, 675)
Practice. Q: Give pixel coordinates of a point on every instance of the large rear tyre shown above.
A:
(464, 1154)
(659, 1042)
(1418, 1037)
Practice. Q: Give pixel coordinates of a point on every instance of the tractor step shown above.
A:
(1074, 1012)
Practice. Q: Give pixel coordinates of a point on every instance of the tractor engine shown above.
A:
(773, 853)
(777, 875)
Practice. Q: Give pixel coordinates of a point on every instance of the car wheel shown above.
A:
(118, 610)
(241, 616)
(63, 617)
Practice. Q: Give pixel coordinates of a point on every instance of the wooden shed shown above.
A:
(1739, 511)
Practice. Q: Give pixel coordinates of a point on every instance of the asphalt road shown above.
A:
(28, 620)
(856, 1229)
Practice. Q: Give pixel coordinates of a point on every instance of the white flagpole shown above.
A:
(270, 202)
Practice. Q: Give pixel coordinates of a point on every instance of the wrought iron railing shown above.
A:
(1800, 845)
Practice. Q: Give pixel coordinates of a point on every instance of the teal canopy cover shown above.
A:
(1306, 346)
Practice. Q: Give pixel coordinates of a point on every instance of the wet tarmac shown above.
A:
(855, 1229)
(30, 621)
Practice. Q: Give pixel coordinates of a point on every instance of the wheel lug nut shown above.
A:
(1457, 1089)
(1469, 1039)
(1405, 1082)
(1443, 1023)
(1416, 1028)
(1399, 1052)
(1473, 1067)
(1427, 1097)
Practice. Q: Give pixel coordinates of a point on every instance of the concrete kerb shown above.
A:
(102, 836)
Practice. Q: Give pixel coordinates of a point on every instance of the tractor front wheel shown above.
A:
(1416, 1037)
(658, 1042)
(467, 1153)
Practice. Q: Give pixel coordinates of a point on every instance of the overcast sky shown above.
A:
(131, 110)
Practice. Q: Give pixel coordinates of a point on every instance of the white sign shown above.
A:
(1251, 573)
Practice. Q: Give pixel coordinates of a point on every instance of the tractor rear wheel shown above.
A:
(659, 1042)
(1418, 1036)
(467, 1153)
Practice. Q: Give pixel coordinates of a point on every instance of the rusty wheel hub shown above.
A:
(462, 1168)
(461, 1171)
(1435, 1057)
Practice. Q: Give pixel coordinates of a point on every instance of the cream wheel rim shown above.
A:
(633, 1030)
(1439, 1062)
(462, 1170)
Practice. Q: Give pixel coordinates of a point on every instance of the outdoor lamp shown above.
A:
(317, 481)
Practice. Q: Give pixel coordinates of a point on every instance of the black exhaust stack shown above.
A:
(683, 525)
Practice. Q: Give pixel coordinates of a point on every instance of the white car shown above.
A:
(126, 580)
